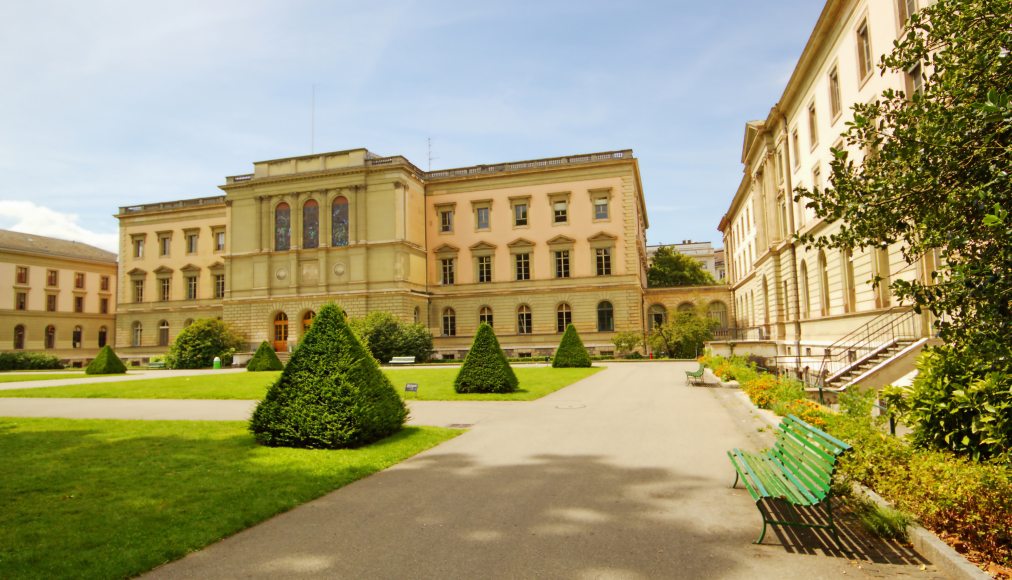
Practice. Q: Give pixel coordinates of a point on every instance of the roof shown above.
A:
(35, 244)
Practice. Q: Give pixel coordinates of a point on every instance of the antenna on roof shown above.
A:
(430, 154)
(312, 122)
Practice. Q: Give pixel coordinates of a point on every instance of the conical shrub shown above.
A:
(485, 368)
(331, 394)
(106, 363)
(571, 352)
(264, 359)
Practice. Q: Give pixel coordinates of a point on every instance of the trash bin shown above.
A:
(217, 362)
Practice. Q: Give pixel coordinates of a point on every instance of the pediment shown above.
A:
(482, 246)
(163, 270)
(561, 240)
(216, 266)
(447, 249)
(602, 237)
(137, 272)
(190, 268)
(520, 243)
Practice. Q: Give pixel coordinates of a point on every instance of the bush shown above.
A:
(106, 363)
(571, 352)
(28, 361)
(626, 342)
(264, 359)
(332, 394)
(198, 344)
(386, 336)
(485, 368)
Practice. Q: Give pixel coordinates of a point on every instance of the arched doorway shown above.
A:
(280, 332)
(50, 337)
(307, 321)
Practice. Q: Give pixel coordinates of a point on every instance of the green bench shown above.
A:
(695, 377)
(797, 470)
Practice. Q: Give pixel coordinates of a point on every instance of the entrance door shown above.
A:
(281, 332)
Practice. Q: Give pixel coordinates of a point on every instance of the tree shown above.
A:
(105, 363)
(571, 352)
(485, 368)
(627, 341)
(264, 359)
(332, 394)
(683, 335)
(936, 179)
(387, 336)
(198, 344)
(669, 268)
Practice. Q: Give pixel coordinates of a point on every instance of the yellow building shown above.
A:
(527, 246)
(58, 296)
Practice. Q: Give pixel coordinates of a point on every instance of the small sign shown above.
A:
(411, 388)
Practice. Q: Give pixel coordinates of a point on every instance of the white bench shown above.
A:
(402, 360)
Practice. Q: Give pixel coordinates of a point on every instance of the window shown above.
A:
(907, 8)
(882, 277)
(864, 62)
(718, 311)
(446, 220)
(138, 290)
(51, 303)
(191, 243)
(104, 283)
(52, 278)
(163, 333)
(280, 331)
(21, 301)
(524, 319)
(191, 287)
(782, 206)
(823, 284)
(850, 290)
(219, 285)
(915, 81)
(484, 269)
(449, 322)
(806, 301)
(339, 223)
(307, 320)
(520, 214)
(605, 317)
(103, 336)
(523, 266)
(21, 275)
(103, 306)
(447, 271)
(164, 286)
(485, 316)
(797, 148)
(817, 178)
(418, 315)
(50, 337)
(219, 240)
(164, 245)
(19, 337)
(481, 217)
(603, 256)
(562, 264)
(560, 211)
(282, 227)
(813, 126)
(780, 165)
(138, 247)
(834, 93)
(78, 303)
(563, 317)
(138, 331)
(311, 224)
(76, 337)
(601, 208)
(79, 280)
(657, 315)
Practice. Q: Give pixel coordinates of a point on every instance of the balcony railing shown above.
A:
(178, 204)
(532, 164)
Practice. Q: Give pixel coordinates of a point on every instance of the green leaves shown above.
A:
(669, 268)
(571, 352)
(485, 368)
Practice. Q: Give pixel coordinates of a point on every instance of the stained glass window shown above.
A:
(339, 222)
(282, 227)
(311, 224)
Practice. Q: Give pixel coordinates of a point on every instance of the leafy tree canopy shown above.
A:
(198, 344)
(669, 268)
(683, 335)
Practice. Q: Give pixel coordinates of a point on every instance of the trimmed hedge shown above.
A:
(331, 394)
(264, 359)
(196, 345)
(485, 368)
(106, 363)
(28, 361)
(571, 352)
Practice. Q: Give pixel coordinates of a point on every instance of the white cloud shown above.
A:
(29, 218)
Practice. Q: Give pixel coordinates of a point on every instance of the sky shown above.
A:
(107, 104)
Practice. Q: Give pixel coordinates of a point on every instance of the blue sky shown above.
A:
(108, 104)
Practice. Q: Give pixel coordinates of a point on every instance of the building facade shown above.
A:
(58, 297)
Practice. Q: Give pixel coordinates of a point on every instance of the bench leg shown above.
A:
(762, 535)
(735, 484)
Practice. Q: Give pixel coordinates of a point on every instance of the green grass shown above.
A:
(111, 499)
(5, 378)
(433, 385)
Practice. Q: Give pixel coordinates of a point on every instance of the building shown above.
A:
(60, 297)
(818, 309)
(528, 247)
(702, 252)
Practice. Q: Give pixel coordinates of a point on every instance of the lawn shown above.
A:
(112, 499)
(433, 385)
(6, 378)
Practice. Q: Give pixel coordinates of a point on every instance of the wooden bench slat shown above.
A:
(817, 460)
(841, 445)
(815, 481)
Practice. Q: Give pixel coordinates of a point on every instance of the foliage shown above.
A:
(937, 179)
(105, 363)
(197, 345)
(388, 336)
(627, 341)
(485, 368)
(669, 268)
(957, 405)
(332, 394)
(683, 335)
(571, 352)
(264, 359)
(884, 521)
(28, 361)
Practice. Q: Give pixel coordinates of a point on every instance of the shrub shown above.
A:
(386, 336)
(106, 363)
(198, 344)
(684, 334)
(627, 341)
(760, 390)
(331, 394)
(485, 368)
(571, 352)
(28, 361)
(264, 359)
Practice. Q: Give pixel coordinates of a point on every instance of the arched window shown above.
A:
(19, 337)
(823, 284)
(103, 336)
(77, 337)
(311, 224)
(282, 227)
(163, 333)
(657, 315)
(849, 289)
(449, 322)
(51, 337)
(418, 315)
(605, 317)
(485, 316)
(563, 317)
(806, 300)
(307, 320)
(137, 331)
(766, 301)
(686, 307)
(524, 320)
(718, 311)
(280, 332)
(339, 222)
